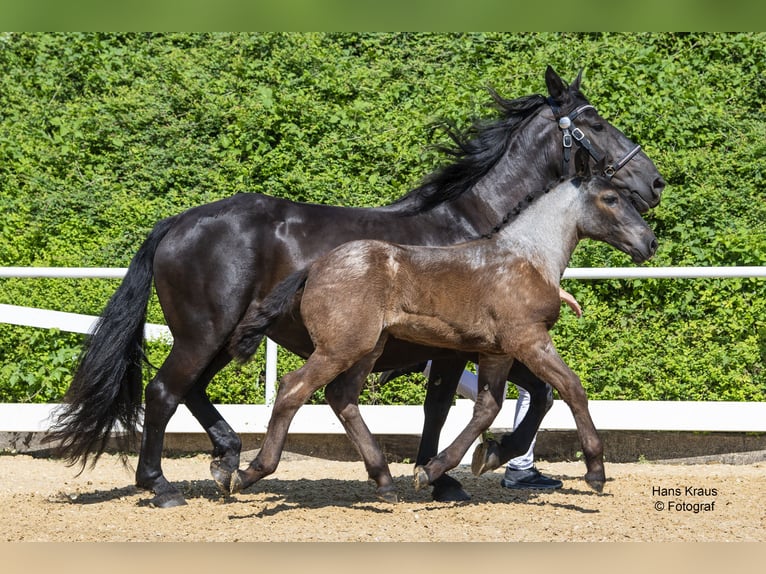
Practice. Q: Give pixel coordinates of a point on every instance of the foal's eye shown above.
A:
(611, 200)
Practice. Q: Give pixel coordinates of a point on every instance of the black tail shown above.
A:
(260, 316)
(107, 385)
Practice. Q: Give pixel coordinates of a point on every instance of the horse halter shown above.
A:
(571, 132)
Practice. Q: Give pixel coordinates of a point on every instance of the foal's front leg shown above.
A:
(539, 355)
(490, 453)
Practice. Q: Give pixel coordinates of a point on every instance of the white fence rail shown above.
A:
(569, 273)
(617, 415)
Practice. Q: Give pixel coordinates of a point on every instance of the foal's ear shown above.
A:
(557, 88)
(582, 162)
(601, 165)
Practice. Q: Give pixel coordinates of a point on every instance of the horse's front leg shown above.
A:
(443, 379)
(493, 371)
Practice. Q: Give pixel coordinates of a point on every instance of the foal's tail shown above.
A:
(260, 316)
(107, 385)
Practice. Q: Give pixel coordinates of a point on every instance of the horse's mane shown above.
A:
(525, 202)
(476, 151)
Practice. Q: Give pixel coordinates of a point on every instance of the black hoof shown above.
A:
(448, 489)
(221, 476)
(167, 500)
(421, 477)
(596, 483)
(486, 457)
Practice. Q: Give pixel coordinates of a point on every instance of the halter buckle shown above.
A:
(567, 139)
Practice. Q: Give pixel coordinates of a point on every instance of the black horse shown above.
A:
(209, 262)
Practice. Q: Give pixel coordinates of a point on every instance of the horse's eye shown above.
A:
(611, 200)
(598, 127)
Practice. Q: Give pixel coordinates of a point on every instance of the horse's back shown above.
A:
(206, 266)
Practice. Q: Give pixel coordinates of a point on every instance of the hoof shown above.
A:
(168, 500)
(221, 476)
(421, 477)
(447, 489)
(596, 483)
(486, 457)
(388, 495)
(237, 482)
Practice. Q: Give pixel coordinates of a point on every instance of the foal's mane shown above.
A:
(475, 150)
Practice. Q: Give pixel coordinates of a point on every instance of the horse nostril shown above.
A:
(659, 184)
(653, 246)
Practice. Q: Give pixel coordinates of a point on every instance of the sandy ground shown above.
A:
(311, 499)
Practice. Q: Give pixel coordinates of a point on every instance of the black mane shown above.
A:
(475, 151)
(525, 202)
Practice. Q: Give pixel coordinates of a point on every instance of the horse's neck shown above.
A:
(515, 176)
(524, 168)
(546, 232)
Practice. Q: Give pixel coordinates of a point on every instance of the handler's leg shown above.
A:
(520, 472)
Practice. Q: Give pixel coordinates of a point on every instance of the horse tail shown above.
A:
(107, 385)
(260, 316)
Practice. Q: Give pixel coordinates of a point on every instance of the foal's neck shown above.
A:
(546, 232)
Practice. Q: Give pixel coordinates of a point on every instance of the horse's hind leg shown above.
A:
(227, 445)
(163, 394)
(343, 396)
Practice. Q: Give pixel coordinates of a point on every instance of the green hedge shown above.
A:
(102, 135)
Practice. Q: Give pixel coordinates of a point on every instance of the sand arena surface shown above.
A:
(312, 499)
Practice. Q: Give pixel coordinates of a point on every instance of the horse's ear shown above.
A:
(575, 87)
(557, 89)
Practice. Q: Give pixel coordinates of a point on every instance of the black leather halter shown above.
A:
(571, 132)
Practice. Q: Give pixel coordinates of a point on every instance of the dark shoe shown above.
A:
(529, 479)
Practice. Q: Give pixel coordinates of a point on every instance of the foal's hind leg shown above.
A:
(343, 396)
(294, 390)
